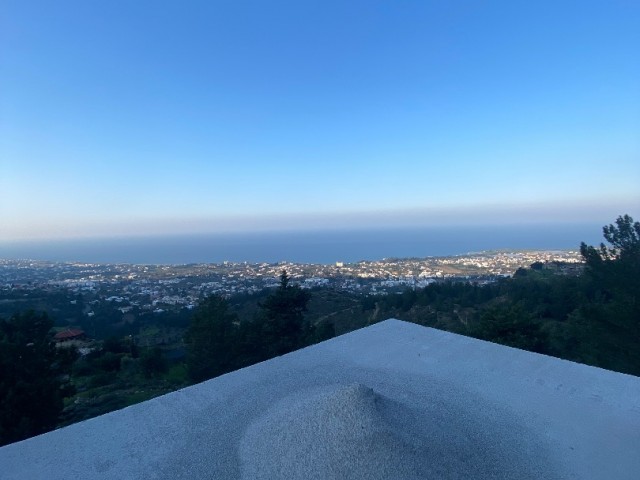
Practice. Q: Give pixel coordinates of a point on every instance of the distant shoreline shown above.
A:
(325, 247)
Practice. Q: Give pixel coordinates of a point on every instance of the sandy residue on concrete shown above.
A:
(351, 431)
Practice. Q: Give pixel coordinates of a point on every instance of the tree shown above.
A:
(211, 340)
(31, 389)
(283, 318)
(616, 267)
(610, 320)
(624, 238)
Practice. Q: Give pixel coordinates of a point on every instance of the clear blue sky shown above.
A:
(124, 117)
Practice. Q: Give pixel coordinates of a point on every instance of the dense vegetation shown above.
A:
(218, 342)
(591, 316)
(32, 377)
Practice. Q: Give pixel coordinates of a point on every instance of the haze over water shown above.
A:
(306, 247)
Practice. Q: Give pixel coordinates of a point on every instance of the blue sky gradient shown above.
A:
(148, 117)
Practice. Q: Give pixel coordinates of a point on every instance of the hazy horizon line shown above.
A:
(422, 218)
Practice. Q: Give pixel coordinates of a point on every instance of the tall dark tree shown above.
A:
(283, 318)
(31, 389)
(610, 321)
(211, 340)
(624, 240)
(617, 266)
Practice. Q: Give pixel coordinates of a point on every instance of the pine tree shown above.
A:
(609, 324)
(283, 318)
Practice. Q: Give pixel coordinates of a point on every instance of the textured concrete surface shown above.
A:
(394, 400)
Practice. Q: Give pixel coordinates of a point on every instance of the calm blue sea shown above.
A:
(307, 247)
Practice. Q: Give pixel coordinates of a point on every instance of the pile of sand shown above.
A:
(352, 432)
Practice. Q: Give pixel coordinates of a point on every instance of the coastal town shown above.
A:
(157, 288)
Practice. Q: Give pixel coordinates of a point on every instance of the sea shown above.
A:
(318, 247)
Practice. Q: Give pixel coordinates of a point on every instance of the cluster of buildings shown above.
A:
(160, 287)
